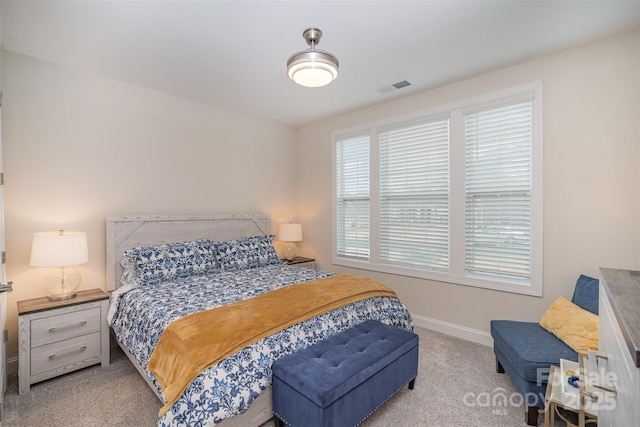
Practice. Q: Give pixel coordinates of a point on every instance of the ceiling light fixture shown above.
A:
(312, 67)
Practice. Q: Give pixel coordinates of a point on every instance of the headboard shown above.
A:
(129, 231)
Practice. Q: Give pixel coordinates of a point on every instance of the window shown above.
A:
(453, 194)
(414, 195)
(498, 191)
(352, 190)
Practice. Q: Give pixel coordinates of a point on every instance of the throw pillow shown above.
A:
(576, 327)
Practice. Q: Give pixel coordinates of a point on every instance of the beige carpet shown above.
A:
(456, 385)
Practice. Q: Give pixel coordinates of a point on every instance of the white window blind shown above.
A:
(414, 195)
(352, 204)
(451, 194)
(498, 182)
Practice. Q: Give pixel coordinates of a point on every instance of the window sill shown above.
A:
(496, 285)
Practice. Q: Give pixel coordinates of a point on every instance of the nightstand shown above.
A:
(56, 337)
(303, 262)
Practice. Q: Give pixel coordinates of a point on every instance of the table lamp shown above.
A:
(60, 250)
(290, 233)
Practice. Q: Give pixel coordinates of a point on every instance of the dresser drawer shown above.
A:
(63, 326)
(52, 356)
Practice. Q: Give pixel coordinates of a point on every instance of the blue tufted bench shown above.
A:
(342, 380)
(525, 350)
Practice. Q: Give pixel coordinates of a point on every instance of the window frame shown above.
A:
(457, 219)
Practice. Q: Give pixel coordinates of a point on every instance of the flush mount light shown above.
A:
(312, 67)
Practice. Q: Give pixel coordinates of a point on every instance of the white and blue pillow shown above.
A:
(151, 265)
(154, 264)
(246, 252)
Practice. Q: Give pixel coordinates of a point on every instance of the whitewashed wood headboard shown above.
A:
(130, 231)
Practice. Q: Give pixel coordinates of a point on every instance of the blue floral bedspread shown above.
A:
(139, 315)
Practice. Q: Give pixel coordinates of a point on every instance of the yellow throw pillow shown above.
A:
(578, 328)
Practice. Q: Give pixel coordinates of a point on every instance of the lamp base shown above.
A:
(61, 297)
(290, 251)
(63, 282)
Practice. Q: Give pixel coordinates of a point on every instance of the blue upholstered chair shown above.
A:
(525, 351)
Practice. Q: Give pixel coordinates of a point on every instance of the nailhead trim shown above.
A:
(367, 416)
(280, 417)
(385, 401)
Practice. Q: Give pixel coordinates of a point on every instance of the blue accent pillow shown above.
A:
(150, 265)
(586, 293)
(246, 252)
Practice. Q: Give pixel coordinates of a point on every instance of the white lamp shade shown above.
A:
(59, 248)
(290, 232)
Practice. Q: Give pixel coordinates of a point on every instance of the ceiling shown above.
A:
(233, 54)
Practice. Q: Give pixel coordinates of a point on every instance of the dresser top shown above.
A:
(623, 289)
(43, 304)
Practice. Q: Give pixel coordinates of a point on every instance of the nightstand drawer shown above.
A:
(58, 354)
(59, 327)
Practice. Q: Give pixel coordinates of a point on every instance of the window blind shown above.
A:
(352, 190)
(498, 162)
(414, 195)
(452, 194)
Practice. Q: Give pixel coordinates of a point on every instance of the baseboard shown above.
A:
(12, 365)
(469, 334)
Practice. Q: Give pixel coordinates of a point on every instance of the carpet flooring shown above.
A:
(457, 385)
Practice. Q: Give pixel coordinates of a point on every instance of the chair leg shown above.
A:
(499, 368)
(531, 415)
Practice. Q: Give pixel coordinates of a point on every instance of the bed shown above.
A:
(235, 390)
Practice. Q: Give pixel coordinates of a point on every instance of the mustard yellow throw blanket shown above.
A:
(197, 341)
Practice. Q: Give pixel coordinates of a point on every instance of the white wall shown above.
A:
(79, 147)
(591, 179)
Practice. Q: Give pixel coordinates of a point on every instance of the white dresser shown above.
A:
(619, 340)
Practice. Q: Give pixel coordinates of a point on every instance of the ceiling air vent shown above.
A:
(394, 87)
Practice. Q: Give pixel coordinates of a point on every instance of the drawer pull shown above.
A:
(84, 322)
(80, 350)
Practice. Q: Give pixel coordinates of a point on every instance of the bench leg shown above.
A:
(412, 383)
(531, 415)
(499, 368)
